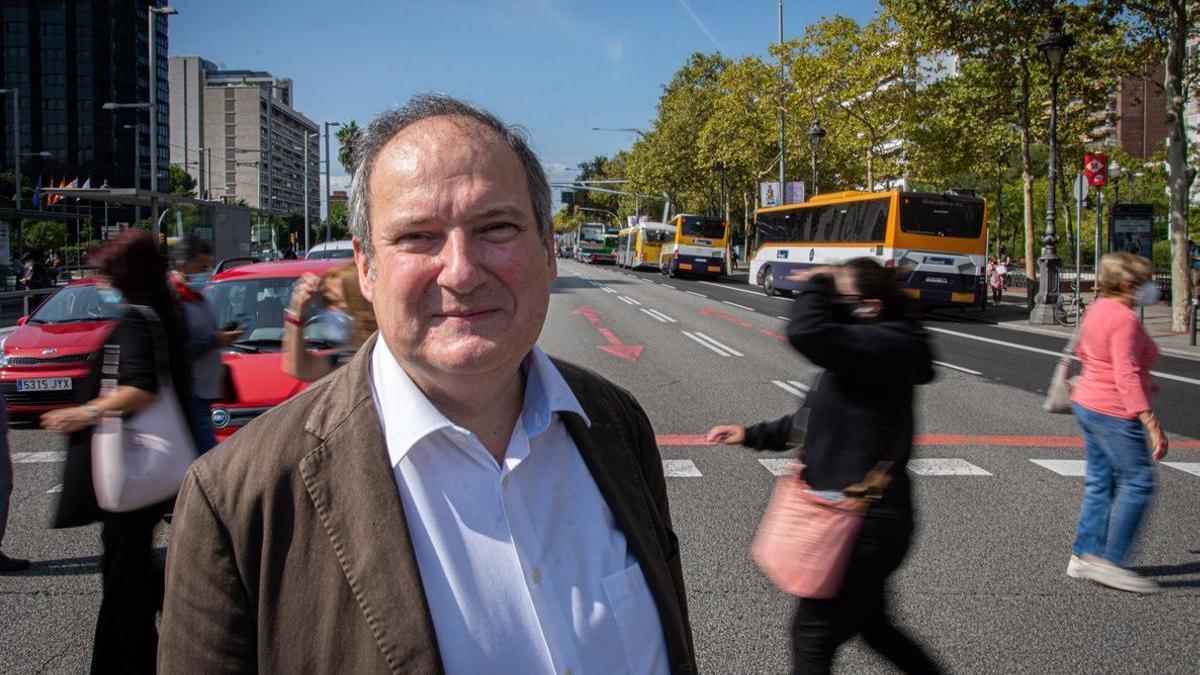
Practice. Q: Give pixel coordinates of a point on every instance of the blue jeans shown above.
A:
(1118, 484)
(203, 433)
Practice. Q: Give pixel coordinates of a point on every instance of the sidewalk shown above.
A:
(1013, 314)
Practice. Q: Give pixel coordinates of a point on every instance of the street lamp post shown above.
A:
(137, 166)
(16, 94)
(307, 137)
(782, 95)
(815, 134)
(328, 204)
(1054, 47)
(153, 83)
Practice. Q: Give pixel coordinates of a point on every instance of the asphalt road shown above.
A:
(983, 587)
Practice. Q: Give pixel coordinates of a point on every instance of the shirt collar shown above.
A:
(546, 393)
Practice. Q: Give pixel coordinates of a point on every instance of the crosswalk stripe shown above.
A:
(1190, 467)
(945, 467)
(779, 467)
(1063, 467)
(786, 386)
(680, 468)
(39, 457)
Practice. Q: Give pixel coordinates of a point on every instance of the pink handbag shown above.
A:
(805, 541)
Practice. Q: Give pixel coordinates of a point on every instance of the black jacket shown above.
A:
(862, 406)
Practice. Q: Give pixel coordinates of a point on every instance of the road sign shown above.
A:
(1080, 189)
(1095, 167)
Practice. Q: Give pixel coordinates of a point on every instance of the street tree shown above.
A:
(181, 181)
(44, 235)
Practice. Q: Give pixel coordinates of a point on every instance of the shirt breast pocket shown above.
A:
(637, 620)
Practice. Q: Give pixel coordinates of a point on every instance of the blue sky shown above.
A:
(557, 67)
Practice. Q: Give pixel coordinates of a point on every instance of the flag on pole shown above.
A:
(87, 184)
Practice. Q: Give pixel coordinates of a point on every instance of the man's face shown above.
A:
(460, 276)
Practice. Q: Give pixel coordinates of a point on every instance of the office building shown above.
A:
(238, 134)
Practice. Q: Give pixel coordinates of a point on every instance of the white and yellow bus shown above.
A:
(641, 245)
(698, 246)
(938, 239)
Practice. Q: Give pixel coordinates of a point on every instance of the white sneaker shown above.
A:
(1105, 573)
(1075, 567)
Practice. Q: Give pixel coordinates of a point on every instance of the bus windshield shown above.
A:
(701, 226)
(941, 216)
(592, 233)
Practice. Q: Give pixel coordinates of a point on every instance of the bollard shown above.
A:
(1192, 321)
(25, 305)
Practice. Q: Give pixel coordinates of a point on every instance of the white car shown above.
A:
(331, 249)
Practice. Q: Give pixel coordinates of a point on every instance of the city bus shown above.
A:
(939, 240)
(698, 246)
(640, 245)
(596, 243)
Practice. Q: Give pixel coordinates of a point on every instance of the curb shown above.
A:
(1169, 351)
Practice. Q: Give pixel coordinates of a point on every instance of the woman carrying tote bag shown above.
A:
(854, 322)
(131, 271)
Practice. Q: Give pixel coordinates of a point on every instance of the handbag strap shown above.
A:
(110, 367)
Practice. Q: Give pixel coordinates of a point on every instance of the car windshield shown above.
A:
(326, 253)
(76, 303)
(708, 228)
(256, 305)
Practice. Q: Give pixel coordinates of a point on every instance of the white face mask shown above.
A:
(1146, 294)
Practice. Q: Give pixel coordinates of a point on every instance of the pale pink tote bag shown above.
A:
(141, 460)
(805, 541)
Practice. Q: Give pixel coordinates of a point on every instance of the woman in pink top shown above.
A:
(1112, 405)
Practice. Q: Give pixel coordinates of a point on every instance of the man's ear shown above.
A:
(366, 276)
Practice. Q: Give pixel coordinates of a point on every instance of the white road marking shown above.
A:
(779, 467)
(788, 388)
(706, 345)
(670, 287)
(1190, 467)
(951, 366)
(659, 315)
(39, 457)
(699, 294)
(606, 289)
(741, 290)
(1049, 352)
(54, 490)
(1063, 467)
(680, 468)
(799, 385)
(652, 315)
(784, 318)
(748, 309)
(629, 300)
(945, 467)
(716, 343)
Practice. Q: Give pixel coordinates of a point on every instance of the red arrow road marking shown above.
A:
(615, 347)
(727, 317)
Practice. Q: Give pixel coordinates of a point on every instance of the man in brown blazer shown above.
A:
(452, 500)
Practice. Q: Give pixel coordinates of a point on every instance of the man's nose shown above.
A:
(461, 270)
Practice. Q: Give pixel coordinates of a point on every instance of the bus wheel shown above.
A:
(768, 281)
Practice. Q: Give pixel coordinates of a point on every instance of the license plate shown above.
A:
(700, 260)
(45, 384)
(937, 280)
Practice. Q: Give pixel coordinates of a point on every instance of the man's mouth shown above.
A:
(466, 316)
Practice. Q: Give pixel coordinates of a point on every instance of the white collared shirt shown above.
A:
(523, 565)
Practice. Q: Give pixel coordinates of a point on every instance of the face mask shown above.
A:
(339, 325)
(863, 313)
(111, 296)
(1146, 294)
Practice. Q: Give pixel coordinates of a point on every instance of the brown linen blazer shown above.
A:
(289, 550)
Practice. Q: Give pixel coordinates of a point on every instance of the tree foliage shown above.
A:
(44, 235)
(182, 183)
(346, 135)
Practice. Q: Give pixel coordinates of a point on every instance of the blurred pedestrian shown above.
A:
(1111, 401)
(7, 564)
(997, 273)
(131, 267)
(345, 320)
(205, 338)
(854, 321)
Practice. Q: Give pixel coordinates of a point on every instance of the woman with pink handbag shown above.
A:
(144, 351)
(851, 507)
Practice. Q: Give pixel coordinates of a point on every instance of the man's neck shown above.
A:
(488, 405)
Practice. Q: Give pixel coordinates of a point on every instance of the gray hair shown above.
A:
(371, 141)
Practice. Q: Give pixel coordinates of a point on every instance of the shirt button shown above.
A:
(536, 575)
(504, 481)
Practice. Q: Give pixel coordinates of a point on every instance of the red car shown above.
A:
(51, 352)
(254, 296)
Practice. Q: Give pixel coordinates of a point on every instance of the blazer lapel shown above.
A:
(351, 484)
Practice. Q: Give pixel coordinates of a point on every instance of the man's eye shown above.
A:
(500, 230)
(414, 237)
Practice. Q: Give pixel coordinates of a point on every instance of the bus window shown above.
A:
(707, 228)
(941, 216)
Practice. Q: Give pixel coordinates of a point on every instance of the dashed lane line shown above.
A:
(784, 318)
(717, 344)
(702, 343)
(951, 366)
(945, 467)
(740, 290)
(1063, 467)
(39, 457)
(698, 294)
(734, 304)
(627, 300)
(657, 315)
(670, 287)
(1048, 352)
(680, 468)
(792, 387)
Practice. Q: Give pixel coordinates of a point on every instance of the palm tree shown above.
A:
(346, 137)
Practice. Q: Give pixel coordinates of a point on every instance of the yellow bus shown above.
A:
(641, 245)
(938, 239)
(698, 247)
